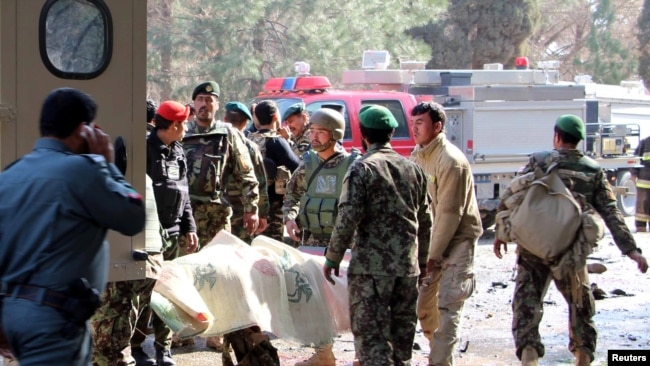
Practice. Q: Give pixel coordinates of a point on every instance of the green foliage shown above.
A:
(609, 60)
(594, 37)
(643, 36)
(243, 43)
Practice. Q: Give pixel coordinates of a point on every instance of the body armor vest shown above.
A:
(319, 204)
(206, 158)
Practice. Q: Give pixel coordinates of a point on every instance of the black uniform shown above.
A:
(167, 168)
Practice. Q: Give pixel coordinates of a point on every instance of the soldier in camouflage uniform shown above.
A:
(214, 151)
(384, 216)
(534, 274)
(279, 162)
(113, 323)
(228, 157)
(296, 128)
(238, 115)
(126, 302)
(313, 193)
(314, 189)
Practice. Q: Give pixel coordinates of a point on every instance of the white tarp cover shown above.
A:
(269, 284)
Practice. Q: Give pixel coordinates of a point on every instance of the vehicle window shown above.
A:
(395, 107)
(75, 38)
(337, 105)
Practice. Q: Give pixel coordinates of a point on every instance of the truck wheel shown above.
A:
(626, 202)
(488, 218)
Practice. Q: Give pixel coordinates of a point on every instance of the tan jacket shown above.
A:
(456, 217)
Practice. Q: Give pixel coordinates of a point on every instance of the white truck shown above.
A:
(499, 117)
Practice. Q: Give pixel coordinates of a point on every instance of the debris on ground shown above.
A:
(598, 293)
(596, 268)
(619, 292)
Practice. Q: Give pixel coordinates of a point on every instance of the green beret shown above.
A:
(377, 117)
(293, 109)
(572, 125)
(239, 107)
(209, 87)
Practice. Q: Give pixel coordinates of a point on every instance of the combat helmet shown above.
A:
(330, 119)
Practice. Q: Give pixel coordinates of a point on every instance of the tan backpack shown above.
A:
(544, 217)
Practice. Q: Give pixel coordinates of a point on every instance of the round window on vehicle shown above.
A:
(75, 38)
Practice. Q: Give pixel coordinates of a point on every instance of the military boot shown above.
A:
(582, 357)
(529, 356)
(141, 357)
(323, 357)
(164, 358)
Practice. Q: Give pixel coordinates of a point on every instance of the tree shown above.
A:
(595, 37)
(644, 43)
(475, 32)
(242, 43)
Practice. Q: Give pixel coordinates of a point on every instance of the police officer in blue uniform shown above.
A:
(57, 204)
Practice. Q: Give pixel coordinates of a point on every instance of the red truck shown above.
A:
(317, 91)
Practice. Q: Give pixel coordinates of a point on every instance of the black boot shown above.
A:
(164, 358)
(141, 357)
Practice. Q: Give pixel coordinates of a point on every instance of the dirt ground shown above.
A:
(622, 321)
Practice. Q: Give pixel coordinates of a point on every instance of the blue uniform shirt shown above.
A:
(55, 209)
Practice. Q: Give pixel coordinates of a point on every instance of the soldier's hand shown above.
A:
(327, 271)
(98, 142)
(284, 132)
(497, 247)
(262, 225)
(292, 230)
(192, 242)
(251, 220)
(640, 260)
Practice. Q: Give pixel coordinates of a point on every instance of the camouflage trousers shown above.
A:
(210, 218)
(441, 299)
(383, 318)
(162, 333)
(237, 222)
(275, 229)
(533, 279)
(113, 323)
(123, 305)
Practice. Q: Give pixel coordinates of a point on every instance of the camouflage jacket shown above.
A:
(584, 176)
(232, 188)
(206, 175)
(301, 144)
(385, 201)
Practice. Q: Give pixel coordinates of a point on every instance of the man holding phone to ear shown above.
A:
(57, 203)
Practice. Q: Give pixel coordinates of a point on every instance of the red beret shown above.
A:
(173, 111)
